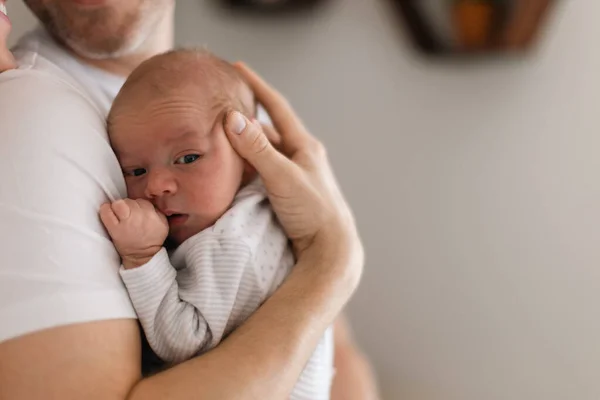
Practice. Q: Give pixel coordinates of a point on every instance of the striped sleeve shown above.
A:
(186, 311)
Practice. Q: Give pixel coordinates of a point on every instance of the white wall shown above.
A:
(475, 187)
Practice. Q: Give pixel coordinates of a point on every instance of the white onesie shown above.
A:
(214, 281)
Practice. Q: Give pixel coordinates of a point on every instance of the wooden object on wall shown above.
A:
(523, 27)
(478, 26)
(473, 22)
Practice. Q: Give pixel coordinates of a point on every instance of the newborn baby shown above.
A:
(190, 189)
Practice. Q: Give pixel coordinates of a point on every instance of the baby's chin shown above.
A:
(179, 234)
(176, 239)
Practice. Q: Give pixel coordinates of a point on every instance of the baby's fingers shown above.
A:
(121, 209)
(108, 217)
(145, 205)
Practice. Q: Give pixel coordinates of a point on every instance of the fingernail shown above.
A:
(238, 123)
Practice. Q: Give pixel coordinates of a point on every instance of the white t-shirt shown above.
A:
(57, 264)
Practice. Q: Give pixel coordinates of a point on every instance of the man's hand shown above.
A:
(137, 229)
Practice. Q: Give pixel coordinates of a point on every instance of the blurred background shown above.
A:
(474, 182)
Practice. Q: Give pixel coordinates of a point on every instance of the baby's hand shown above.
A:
(137, 229)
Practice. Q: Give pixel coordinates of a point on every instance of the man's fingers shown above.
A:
(108, 217)
(273, 136)
(121, 209)
(249, 140)
(287, 123)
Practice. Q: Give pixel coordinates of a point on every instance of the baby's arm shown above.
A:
(187, 311)
(174, 328)
(138, 232)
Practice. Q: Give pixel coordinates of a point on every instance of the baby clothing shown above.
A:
(189, 300)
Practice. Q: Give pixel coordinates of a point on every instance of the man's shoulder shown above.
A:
(43, 115)
(29, 87)
(44, 77)
(34, 102)
(39, 69)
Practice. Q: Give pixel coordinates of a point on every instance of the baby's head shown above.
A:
(166, 127)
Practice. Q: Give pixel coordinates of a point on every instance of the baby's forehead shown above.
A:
(208, 77)
(207, 83)
(207, 80)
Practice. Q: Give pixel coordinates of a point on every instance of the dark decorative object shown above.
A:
(473, 26)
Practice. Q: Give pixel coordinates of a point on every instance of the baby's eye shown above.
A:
(187, 159)
(136, 172)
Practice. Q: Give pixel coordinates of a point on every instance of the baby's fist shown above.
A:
(138, 230)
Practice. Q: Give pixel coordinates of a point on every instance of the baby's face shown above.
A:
(174, 152)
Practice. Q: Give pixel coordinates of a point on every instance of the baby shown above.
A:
(189, 188)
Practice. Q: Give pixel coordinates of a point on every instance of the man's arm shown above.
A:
(101, 360)
(96, 360)
(354, 378)
(59, 273)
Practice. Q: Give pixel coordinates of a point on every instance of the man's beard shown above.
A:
(125, 47)
(117, 41)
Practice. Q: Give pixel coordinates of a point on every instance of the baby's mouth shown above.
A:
(177, 219)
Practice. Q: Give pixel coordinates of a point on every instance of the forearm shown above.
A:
(101, 360)
(264, 357)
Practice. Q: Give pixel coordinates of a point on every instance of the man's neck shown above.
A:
(161, 40)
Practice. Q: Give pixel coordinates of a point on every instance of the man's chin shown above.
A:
(92, 52)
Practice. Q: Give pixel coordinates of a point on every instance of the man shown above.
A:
(67, 328)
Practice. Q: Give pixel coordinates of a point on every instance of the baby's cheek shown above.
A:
(208, 203)
(212, 201)
(134, 190)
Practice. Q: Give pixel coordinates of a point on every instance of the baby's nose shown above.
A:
(160, 183)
